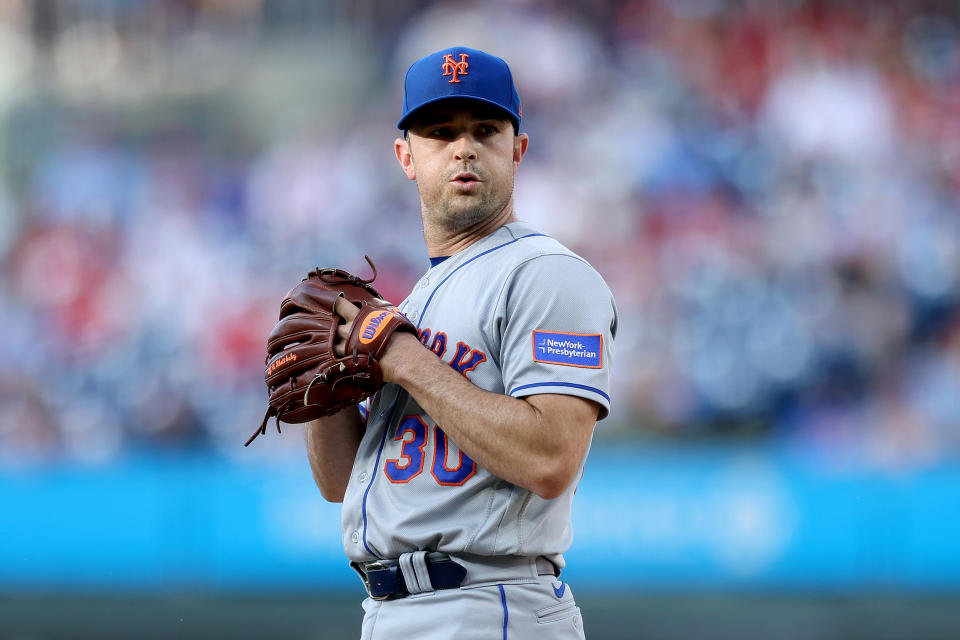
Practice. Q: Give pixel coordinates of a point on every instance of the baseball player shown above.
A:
(457, 481)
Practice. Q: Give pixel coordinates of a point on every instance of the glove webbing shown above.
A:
(338, 276)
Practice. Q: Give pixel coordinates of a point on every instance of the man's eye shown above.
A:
(442, 132)
(487, 130)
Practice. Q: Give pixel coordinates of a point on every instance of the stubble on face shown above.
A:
(485, 164)
(454, 209)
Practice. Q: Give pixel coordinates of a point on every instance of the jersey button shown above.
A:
(355, 537)
(362, 477)
(425, 283)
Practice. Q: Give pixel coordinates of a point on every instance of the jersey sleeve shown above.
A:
(557, 320)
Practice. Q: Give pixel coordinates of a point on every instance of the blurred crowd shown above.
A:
(770, 188)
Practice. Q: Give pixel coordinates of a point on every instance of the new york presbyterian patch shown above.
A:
(570, 349)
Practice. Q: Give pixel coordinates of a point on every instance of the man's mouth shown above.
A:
(465, 177)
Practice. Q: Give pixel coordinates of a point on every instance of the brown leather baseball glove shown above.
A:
(305, 377)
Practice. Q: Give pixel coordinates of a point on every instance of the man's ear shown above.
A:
(520, 142)
(402, 148)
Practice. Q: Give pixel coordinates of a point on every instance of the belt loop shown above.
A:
(545, 567)
(413, 566)
(422, 571)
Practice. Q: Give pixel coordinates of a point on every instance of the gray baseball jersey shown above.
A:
(517, 313)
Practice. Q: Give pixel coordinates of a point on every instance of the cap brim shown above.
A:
(405, 120)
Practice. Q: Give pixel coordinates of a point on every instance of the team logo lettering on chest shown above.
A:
(439, 344)
(465, 360)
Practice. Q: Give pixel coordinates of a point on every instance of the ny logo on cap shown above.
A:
(452, 68)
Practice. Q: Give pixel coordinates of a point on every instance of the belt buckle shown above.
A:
(376, 565)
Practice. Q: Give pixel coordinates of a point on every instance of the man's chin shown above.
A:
(463, 212)
(464, 220)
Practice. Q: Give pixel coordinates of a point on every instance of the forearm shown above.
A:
(509, 437)
(332, 445)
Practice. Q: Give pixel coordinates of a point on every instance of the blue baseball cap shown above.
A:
(459, 72)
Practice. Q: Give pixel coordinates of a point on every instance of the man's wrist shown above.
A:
(401, 351)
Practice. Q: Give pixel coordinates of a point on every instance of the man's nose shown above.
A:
(465, 148)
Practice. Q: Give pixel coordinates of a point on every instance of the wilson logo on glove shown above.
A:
(373, 324)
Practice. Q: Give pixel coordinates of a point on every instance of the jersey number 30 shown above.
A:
(412, 431)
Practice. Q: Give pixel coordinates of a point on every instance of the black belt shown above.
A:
(384, 578)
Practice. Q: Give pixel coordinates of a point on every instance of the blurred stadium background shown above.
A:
(770, 188)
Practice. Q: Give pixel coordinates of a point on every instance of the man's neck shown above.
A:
(443, 242)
